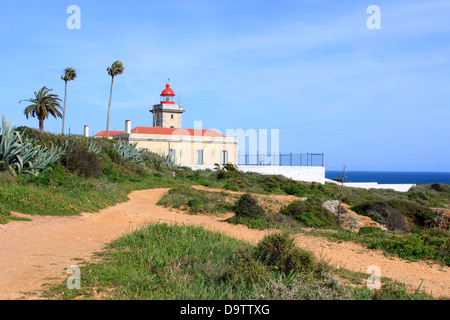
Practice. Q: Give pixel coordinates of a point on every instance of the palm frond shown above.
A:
(115, 69)
(43, 104)
(69, 74)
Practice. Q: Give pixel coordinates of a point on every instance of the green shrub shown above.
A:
(109, 169)
(436, 187)
(196, 200)
(231, 187)
(234, 180)
(247, 206)
(228, 172)
(82, 161)
(273, 247)
(431, 205)
(279, 250)
(177, 197)
(272, 184)
(419, 245)
(419, 213)
(280, 184)
(196, 205)
(416, 195)
(222, 206)
(310, 213)
(298, 260)
(154, 161)
(55, 177)
(296, 190)
(260, 223)
(390, 291)
(370, 231)
(381, 212)
(112, 153)
(246, 270)
(445, 251)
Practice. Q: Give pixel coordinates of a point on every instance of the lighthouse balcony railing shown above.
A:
(282, 159)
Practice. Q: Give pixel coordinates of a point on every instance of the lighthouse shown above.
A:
(184, 146)
(167, 114)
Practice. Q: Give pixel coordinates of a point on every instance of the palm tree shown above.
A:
(115, 69)
(69, 75)
(43, 104)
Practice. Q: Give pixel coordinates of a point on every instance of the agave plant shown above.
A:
(92, 146)
(21, 154)
(128, 151)
(169, 160)
(38, 158)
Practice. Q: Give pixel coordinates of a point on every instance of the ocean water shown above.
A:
(388, 177)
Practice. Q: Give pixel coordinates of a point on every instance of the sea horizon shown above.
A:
(391, 177)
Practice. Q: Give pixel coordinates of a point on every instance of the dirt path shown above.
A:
(38, 252)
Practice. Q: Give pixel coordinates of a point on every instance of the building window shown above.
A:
(224, 157)
(173, 155)
(199, 154)
(171, 116)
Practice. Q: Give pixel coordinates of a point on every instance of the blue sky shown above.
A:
(370, 99)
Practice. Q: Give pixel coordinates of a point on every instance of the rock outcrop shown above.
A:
(441, 220)
(350, 220)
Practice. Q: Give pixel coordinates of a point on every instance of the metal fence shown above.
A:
(287, 159)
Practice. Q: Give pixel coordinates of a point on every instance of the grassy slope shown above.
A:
(58, 193)
(61, 193)
(419, 244)
(183, 263)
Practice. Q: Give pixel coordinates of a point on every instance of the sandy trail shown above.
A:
(38, 252)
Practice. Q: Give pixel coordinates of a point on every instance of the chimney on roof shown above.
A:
(128, 127)
(86, 131)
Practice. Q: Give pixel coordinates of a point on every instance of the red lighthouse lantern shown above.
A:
(167, 96)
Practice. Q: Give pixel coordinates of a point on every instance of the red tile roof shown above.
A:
(177, 131)
(111, 133)
(166, 131)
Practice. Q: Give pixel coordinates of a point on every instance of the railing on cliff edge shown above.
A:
(286, 159)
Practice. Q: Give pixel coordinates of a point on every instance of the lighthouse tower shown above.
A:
(167, 114)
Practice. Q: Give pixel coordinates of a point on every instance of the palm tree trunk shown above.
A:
(41, 125)
(64, 109)
(109, 107)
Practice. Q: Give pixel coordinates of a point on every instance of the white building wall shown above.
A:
(307, 174)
